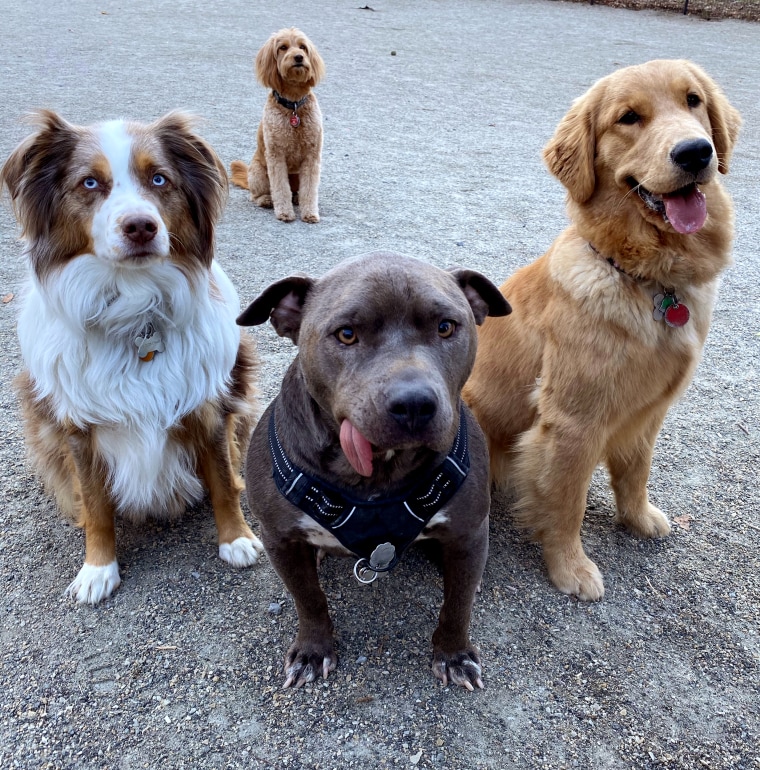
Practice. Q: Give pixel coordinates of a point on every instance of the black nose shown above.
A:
(139, 230)
(298, 58)
(412, 407)
(692, 155)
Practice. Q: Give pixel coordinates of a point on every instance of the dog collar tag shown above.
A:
(295, 121)
(148, 343)
(667, 306)
(381, 557)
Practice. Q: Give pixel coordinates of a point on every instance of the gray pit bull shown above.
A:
(369, 447)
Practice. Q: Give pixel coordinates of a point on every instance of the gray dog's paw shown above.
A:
(462, 668)
(306, 661)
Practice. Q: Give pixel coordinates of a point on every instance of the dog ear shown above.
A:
(570, 152)
(282, 304)
(725, 121)
(484, 297)
(34, 176)
(265, 65)
(317, 65)
(201, 178)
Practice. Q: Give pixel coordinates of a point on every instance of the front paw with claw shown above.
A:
(462, 668)
(305, 661)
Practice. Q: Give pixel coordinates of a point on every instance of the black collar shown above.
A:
(287, 104)
(366, 527)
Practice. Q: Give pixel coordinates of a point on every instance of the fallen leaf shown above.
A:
(684, 521)
(7, 298)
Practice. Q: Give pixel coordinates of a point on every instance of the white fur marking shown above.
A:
(93, 584)
(125, 199)
(242, 552)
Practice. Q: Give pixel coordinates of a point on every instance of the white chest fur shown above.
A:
(77, 335)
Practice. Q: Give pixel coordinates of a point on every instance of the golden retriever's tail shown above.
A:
(239, 174)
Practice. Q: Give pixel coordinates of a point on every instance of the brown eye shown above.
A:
(283, 47)
(346, 335)
(693, 100)
(629, 118)
(446, 329)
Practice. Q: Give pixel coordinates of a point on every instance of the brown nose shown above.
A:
(139, 230)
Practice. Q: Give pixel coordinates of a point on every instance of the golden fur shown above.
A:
(582, 372)
(286, 164)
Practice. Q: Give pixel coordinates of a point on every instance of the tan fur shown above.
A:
(286, 165)
(581, 372)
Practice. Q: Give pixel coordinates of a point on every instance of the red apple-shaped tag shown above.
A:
(295, 121)
(677, 315)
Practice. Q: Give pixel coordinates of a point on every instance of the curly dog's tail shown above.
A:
(239, 174)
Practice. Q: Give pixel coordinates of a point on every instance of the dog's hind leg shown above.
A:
(629, 463)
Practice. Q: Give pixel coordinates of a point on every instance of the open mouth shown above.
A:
(685, 209)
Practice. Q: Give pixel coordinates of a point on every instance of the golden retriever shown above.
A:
(286, 164)
(608, 326)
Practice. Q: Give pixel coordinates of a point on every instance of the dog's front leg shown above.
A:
(308, 194)
(553, 470)
(279, 185)
(313, 650)
(238, 545)
(99, 576)
(455, 658)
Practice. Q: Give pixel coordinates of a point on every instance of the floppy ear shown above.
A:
(202, 177)
(317, 65)
(725, 121)
(484, 297)
(266, 65)
(570, 152)
(282, 304)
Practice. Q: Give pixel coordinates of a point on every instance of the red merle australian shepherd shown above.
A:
(138, 390)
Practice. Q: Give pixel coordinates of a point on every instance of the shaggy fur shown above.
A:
(286, 164)
(118, 221)
(582, 372)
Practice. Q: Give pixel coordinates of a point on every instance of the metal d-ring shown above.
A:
(360, 569)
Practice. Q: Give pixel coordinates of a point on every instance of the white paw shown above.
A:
(93, 584)
(242, 552)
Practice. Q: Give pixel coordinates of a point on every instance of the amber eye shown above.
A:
(446, 329)
(346, 335)
(629, 118)
(693, 100)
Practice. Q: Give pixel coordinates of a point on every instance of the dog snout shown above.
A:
(413, 407)
(140, 229)
(692, 155)
(298, 58)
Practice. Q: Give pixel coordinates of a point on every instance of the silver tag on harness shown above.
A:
(366, 571)
(381, 557)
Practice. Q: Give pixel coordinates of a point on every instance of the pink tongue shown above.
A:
(356, 448)
(686, 210)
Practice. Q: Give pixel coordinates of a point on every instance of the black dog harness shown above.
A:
(378, 531)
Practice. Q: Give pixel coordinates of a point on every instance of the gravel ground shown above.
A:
(435, 117)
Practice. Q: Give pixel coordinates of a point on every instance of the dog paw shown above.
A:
(242, 552)
(305, 662)
(577, 576)
(311, 217)
(264, 201)
(93, 584)
(285, 216)
(460, 668)
(651, 523)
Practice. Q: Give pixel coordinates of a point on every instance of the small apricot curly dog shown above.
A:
(286, 164)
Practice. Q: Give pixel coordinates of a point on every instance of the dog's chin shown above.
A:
(684, 209)
(297, 74)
